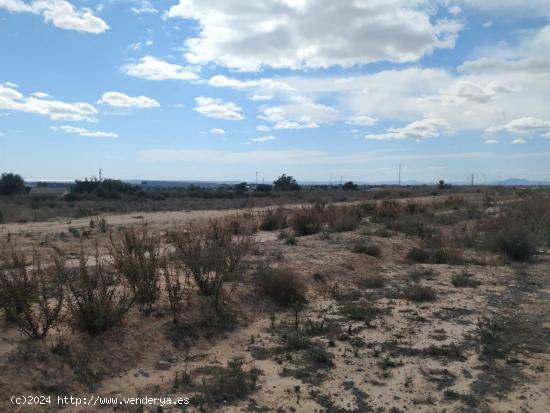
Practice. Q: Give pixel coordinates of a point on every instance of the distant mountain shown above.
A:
(522, 182)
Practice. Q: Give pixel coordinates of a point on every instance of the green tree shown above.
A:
(286, 183)
(11, 184)
(350, 186)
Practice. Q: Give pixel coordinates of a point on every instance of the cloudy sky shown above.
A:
(220, 89)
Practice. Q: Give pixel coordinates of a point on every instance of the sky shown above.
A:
(225, 89)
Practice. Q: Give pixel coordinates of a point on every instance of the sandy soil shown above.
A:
(411, 357)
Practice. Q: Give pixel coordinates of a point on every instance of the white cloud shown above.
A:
(488, 24)
(41, 95)
(11, 99)
(491, 141)
(420, 129)
(151, 68)
(216, 108)
(364, 120)
(518, 142)
(258, 98)
(144, 7)
(120, 100)
(300, 113)
(217, 131)
(308, 34)
(268, 84)
(263, 139)
(85, 132)
(522, 126)
(455, 10)
(61, 13)
(263, 128)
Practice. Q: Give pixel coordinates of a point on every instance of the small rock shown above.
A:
(164, 365)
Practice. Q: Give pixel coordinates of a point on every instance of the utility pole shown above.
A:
(330, 179)
(472, 179)
(100, 171)
(256, 178)
(399, 174)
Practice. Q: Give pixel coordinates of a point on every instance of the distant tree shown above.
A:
(264, 188)
(442, 185)
(103, 188)
(42, 184)
(286, 183)
(12, 184)
(243, 186)
(350, 186)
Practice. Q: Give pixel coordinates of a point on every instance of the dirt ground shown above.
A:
(382, 351)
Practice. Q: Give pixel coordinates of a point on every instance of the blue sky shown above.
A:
(220, 89)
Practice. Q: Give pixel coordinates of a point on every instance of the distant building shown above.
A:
(53, 192)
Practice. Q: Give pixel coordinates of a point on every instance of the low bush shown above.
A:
(360, 311)
(177, 290)
(31, 295)
(367, 248)
(231, 383)
(342, 219)
(274, 219)
(516, 240)
(465, 279)
(372, 281)
(136, 256)
(434, 255)
(420, 293)
(281, 284)
(306, 221)
(211, 254)
(96, 301)
(387, 210)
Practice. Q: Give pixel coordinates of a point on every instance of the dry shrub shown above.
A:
(136, 256)
(341, 219)
(455, 202)
(420, 293)
(367, 248)
(32, 297)
(96, 301)
(177, 290)
(241, 224)
(211, 254)
(274, 219)
(281, 284)
(388, 210)
(434, 255)
(307, 221)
